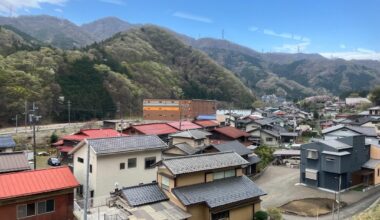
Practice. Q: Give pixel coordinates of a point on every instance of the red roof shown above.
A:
(65, 148)
(13, 185)
(157, 129)
(92, 133)
(231, 132)
(185, 125)
(207, 123)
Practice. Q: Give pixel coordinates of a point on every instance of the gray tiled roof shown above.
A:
(112, 145)
(15, 161)
(201, 162)
(367, 131)
(371, 164)
(195, 134)
(143, 194)
(219, 192)
(273, 133)
(185, 147)
(234, 146)
(253, 159)
(334, 143)
(7, 141)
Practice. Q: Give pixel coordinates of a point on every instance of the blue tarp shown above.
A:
(206, 117)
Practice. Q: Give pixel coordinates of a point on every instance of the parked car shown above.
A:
(43, 153)
(295, 160)
(53, 161)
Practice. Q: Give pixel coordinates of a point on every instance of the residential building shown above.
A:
(228, 133)
(13, 162)
(335, 163)
(7, 144)
(162, 130)
(124, 161)
(243, 151)
(210, 186)
(374, 111)
(187, 142)
(354, 101)
(38, 194)
(174, 109)
(339, 131)
(207, 125)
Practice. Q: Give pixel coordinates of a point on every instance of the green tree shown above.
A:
(266, 156)
(274, 214)
(261, 215)
(375, 95)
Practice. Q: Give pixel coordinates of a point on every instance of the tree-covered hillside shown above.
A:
(146, 62)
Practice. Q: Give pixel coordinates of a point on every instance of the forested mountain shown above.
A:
(146, 62)
(104, 28)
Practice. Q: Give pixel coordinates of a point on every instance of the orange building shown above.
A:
(174, 110)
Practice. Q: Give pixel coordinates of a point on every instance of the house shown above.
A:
(230, 134)
(354, 101)
(38, 194)
(374, 111)
(339, 131)
(326, 163)
(210, 186)
(67, 143)
(162, 130)
(184, 125)
(125, 161)
(7, 144)
(13, 162)
(374, 123)
(207, 125)
(372, 166)
(270, 138)
(243, 151)
(187, 142)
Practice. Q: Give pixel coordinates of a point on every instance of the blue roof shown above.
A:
(7, 141)
(206, 117)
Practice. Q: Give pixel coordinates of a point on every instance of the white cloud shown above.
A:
(115, 2)
(273, 33)
(343, 46)
(303, 42)
(253, 28)
(292, 48)
(10, 7)
(192, 17)
(58, 10)
(358, 54)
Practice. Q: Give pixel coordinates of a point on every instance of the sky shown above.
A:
(348, 29)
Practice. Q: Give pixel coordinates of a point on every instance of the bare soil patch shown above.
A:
(310, 207)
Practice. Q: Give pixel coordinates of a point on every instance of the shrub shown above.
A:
(266, 155)
(261, 215)
(274, 214)
(53, 138)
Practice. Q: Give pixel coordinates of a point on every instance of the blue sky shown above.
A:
(334, 28)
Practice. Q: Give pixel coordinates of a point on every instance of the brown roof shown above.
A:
(207, 123)
(231, 132)
(15, 161)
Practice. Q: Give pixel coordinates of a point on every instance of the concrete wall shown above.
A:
(80, 169)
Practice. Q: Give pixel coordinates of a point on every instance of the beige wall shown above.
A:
(375, 153)
(242, 213)
(177, 140)
(257, 206)
(273, 143)
(376, 178)
(198, 212)
(239, 172)
(175, 151)
(251, 127)
(190, 179)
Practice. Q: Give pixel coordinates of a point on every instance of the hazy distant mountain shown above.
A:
(13, 40)
(106, 27)
(57, 32)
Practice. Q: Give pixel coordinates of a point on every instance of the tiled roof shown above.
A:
(185, 147)
(367, 131)
(143, 194)
(185, 125)
(231, 132)
(13, 185)
(92, 133)
(334, 143)
(7, 141)
(234, 146)
(207, 123)
(202, 162)
(371, 164)
(157, 129)
(194, 134)
(220, 192)
(271, 132)
(116, 145)
(253, 159)
(15, 161)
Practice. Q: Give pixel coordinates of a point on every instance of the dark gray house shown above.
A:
(324, 162)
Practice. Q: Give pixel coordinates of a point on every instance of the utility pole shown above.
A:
(26, 114)
(33, 119)
(16, 119)
(69, 109)
(180, 115)
(86, 197)
(340, 183)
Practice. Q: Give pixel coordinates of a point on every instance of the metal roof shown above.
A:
(234, 146)
(367, 131)
(25, 183)
(143, 194)
(193, 134)
(15, 161)
(116, 145)
(7, 141)
(185, 147)
(219, 192)
(202, 162)
(206, 123)
(287, 152)
(335, 143)
(157, 128)
(185, 125)
(340, 153)
(371, 164)
(92, 133)
(253, 159)
(231, 132)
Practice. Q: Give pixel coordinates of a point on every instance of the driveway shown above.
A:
(280, 183)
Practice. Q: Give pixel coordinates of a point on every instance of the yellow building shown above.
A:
(210, 186)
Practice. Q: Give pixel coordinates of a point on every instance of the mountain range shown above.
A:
(151, 61)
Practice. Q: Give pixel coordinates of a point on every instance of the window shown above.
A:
(132, 162)
(122, 166)
(221, 215)
(199, 142)
(378, 172)
(149, 161)
(311, 174)
(165, 182)
(224, 174)
(80, 160)
(21, 211)
(92, 194)
(45, 206)
(90, 168)
(330, 159)
(269, 139)
(219, 175)
(30, 209)
(229, 173)
(312, 154)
